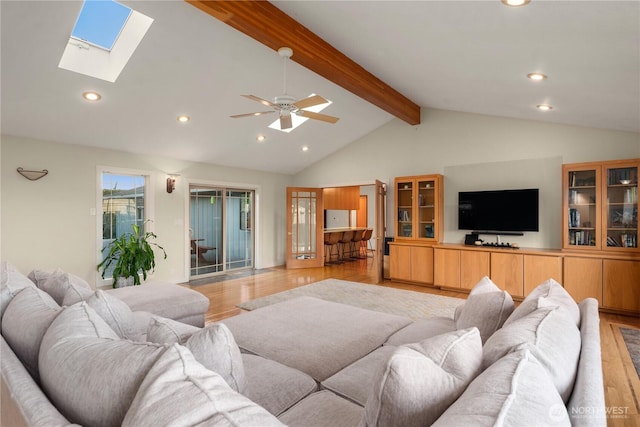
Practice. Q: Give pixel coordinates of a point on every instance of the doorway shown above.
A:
(221, 234)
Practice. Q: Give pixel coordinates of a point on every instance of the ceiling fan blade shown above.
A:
(317, 116)
(310, 101)
(285, 122)
(252, 114)
(261, 101)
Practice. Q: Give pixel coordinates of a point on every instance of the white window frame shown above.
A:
(149, 206)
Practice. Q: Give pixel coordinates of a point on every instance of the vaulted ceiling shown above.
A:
(470, 56)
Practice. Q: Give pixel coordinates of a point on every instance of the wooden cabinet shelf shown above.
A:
(419, 208)
(600, 206)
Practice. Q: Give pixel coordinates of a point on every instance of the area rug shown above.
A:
(415, 305)
(632, 340)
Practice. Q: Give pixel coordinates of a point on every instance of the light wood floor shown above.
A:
(622, 385)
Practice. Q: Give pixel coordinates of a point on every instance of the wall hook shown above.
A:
(32, 175)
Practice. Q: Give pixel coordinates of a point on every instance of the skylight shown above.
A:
(104, 38)
(297, 120)
(100, 23)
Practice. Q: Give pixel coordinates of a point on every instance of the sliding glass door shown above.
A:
(220, 229)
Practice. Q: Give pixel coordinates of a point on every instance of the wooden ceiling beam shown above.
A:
(267, 24)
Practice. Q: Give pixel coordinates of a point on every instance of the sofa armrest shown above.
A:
(23, 403)
(587, 405)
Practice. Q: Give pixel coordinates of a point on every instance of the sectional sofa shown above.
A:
(304, 362)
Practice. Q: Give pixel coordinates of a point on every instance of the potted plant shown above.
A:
(130, 254)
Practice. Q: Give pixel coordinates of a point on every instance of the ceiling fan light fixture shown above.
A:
(292, 112)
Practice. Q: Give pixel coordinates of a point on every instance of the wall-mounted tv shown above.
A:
(500, 210)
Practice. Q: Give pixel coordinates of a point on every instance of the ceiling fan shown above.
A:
(286, 105)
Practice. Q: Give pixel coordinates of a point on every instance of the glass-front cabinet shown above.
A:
(621, 206)
(600, 206)
(582, 207)
(419, 208)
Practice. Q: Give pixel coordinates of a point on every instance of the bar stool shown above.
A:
(355, 244)
(366, 241)
(345, 242)
(331, 240)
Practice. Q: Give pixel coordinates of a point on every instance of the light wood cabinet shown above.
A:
(341, 198)
(540, 268)
(473, 267)
(621, 285)
(600, 206)
(507, 272)
(419, 208)
(400, 262)
(446, 268)
(583, 278)
(411, 263)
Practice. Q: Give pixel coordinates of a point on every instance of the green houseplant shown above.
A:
(131, 254)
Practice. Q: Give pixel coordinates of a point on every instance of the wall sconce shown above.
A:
(171, 183)
(32, 175)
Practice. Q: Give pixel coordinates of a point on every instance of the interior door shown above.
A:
(381, 230)
(305, 227)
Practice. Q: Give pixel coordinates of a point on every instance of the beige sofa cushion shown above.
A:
(205, 398)
(327, 336)
(213, 346)
(551, 336)
(547, 294)
(421, 380)
(24, 323)
(486, 308)
(514, 391)
(89, 373)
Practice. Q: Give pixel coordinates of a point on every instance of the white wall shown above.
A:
(47, 223)
(500, 152)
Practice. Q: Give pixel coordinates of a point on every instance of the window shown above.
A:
(123, 201)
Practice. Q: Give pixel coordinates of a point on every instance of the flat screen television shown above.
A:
(500, 210)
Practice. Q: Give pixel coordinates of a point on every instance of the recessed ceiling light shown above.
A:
(261, 138)
(183, 118)
(305, 148)
(544, 107)
(91, 96)
(536, 76)
(515, 3)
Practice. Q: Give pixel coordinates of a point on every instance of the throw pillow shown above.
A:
(116, 313)
(25, 321)
(38, 277)
(75, 294)
(421, 380)
(205, 399)
(547, 294)
(213, 346)
(91, 375)
(486, 308)
(12, 282)
(551, 336)
(58, 282)
(168, 331)
(514, 391)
